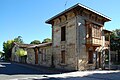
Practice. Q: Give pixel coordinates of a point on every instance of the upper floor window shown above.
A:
(107, 37)
(63, 33)
(96, 31)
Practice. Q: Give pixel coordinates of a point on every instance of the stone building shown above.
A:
(36, 54)
(40, 54)
(78, 39)
(17, 46)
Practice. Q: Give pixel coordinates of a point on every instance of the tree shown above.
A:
(47, 40)
(115, 42)
(1, 54)
(115, 39)
(35, 42)
(18, 39)
(7, 46)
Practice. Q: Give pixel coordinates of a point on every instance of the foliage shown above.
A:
(18, 39)
(115, 40)
(1, 53)
(21, 52)
(47, 40)
(35, 42)
(7, 46)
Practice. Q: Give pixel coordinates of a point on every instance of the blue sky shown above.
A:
(27, 18)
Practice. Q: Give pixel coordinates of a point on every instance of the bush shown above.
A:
(21, 52)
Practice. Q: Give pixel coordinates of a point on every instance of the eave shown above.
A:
(49, 21)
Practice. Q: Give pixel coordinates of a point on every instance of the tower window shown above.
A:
(63, 33)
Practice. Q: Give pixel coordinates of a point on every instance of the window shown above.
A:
(90, 32)
(96, 32)
(90, 57)
(63, 33)
(63, 56)
(44, 54)
(107, 37)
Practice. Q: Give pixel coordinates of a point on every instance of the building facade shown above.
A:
(78, 38)
(78, 41)
(17, 46)
(36, 54)
(40, 54)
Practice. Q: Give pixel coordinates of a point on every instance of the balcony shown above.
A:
(93, 42)
(94, 33)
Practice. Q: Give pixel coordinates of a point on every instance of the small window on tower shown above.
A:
(63, 33)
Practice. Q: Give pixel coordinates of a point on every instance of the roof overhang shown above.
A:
(49, 21)
(41, 45)
(107, 31)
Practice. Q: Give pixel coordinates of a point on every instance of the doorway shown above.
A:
(90, 57)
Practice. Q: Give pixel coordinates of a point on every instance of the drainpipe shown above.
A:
(109, 54)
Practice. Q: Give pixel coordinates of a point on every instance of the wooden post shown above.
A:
(36, 55)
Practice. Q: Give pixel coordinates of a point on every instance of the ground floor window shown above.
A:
(43, 54)
(63, 56)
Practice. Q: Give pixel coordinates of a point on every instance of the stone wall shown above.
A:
(14, 56)
(45, 55)
(81, 41)
(82, 49)
(30, 56)
(69, 45)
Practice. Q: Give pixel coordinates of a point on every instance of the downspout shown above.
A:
(109, 54)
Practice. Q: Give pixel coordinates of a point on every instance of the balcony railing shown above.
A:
(93, 41)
